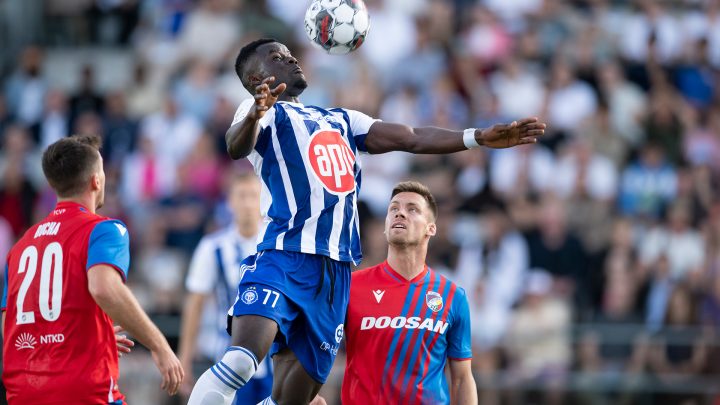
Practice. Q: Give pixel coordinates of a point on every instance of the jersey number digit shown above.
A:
(50, 271)
(267, 296)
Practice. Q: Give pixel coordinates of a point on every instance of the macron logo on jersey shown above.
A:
(48, 228)
(414, 322)
(121, 228)
(378, 295)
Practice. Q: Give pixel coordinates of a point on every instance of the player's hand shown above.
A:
(501, 136)
(170, 369)
(318, 400)
(265, 97)
(124, 345)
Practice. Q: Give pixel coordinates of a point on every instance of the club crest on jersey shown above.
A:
(25, 341)
(434, 301)
(332, 161)
(249, 296)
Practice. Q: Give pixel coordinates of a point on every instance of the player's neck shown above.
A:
(407, 261)
(289, 98)
(86, 202)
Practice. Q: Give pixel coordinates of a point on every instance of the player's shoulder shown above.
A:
(453, 287)
(102, 226)
(366, 273)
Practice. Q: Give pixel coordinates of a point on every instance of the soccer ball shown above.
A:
(337, 26)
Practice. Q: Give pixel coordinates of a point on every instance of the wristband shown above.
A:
(469, 138)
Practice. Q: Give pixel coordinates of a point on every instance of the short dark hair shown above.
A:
(246, 52)
(417, 188)
(69, 163)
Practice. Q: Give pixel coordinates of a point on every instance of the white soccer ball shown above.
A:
(337, 26)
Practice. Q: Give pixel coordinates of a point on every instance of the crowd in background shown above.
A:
(591, 260)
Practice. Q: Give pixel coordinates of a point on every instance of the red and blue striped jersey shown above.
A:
(59, 345)
(399, 335)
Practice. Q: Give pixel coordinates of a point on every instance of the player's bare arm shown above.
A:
(192, 312)
(462, 384)
(386, 137)
(112, 295)
(241, 137)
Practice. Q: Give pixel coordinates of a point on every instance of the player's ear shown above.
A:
(95, 182)
(431, 229)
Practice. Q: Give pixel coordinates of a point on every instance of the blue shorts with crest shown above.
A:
(306, 295)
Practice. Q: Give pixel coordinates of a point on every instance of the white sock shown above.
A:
(217, 385)
(267, 401)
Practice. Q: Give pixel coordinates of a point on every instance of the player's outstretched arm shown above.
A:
(241, 137)
(463, 390)
(386, 137)
(112, 295)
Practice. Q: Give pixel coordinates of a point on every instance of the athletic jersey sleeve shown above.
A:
(202, 275)
(360, 126)
(459, 344)
(244, 108)
(110, 244)
(3, 305)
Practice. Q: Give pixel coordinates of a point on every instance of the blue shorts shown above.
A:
(307, 295)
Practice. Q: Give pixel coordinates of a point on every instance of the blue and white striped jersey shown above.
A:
(215, 270)
(306, 157)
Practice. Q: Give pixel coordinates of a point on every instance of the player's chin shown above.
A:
(301, 82)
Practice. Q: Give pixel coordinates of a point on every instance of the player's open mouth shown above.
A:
(298, 71)
(398, 226)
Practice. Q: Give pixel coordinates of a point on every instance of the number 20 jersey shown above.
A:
(306, 158)
(59, 346)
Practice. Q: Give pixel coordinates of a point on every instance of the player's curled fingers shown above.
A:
(268, 79)
(278, 89)
(260, 96)
(525, 141)
(527, 121)
(118, 329)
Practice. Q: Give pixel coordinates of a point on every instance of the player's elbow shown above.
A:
(103, 284)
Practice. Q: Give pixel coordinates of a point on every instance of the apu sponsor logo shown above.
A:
(414, 322)
(48, 228)
(339, 333)
(332, 161)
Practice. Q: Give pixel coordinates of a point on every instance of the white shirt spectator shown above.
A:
(519, 94)
(173, 136)
(601, 177)
(637, 30)
(570, 105)
(685, 250)
(501, 274)
(508, 165)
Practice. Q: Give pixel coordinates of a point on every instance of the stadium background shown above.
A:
(592, 261)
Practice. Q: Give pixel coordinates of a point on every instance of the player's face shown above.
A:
(244, 200)
(276, 60)
(409, 220)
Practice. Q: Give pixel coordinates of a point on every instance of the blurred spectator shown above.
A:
(87, 98)
(602, 137)
(492, 268)
(554, 248)
(25, 89)
(120, 131)
(538, 338)
(147, 176)
(183, 214)
(678, 351)
(173, 133)
(683, 246)
(582, 172)
(487, 39)
(701, 141)
(521, 171)
(648, 184)
(694, 77)
(210, 32)
(195, 93)
(143, 96)
(17, 196)
(520, 91)
(663, 125)
(204, 169)
(651, 30)
(626, 102)
(570, 100)
(55, 122)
